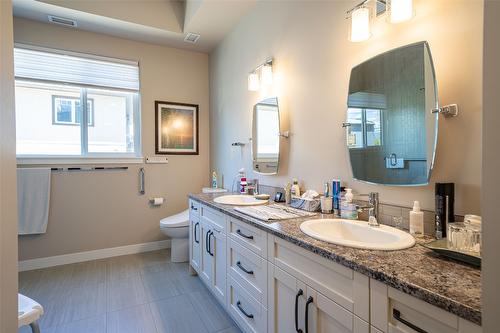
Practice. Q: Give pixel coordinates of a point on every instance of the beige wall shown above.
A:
(103, 209)
(8, 216)
(313, 59)
(491, 167)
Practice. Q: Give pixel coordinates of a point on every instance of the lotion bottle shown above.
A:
(416, 220)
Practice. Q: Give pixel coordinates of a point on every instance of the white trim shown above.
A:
(71, 258)
(78, 160)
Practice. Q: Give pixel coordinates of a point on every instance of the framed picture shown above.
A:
(176, 128)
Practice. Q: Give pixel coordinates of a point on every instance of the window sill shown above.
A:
(78, 160)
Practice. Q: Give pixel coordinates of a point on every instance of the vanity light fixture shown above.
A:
(360, 24)
(360, 16)
(261, 76)
(401, 10)
(253, 81)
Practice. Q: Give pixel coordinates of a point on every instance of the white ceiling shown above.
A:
(164, 22)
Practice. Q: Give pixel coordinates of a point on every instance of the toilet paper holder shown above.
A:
(158, 201)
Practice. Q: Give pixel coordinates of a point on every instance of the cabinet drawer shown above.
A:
(345, 287)
(250, 315)
(251, 237)
(389, 305)
(194, 209)
(216, 218)
(249, 270)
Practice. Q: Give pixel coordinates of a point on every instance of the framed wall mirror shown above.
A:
(266, 136)
(391, 130)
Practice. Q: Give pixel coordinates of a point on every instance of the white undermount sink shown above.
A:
(240, 200)
(357, 234)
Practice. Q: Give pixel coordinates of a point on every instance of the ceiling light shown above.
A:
(401, 10)
(253, 81)
(360, 24)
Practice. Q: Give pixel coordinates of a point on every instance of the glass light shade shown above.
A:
(360, 24)
(401, 10)
(266, 74)
(253, 82)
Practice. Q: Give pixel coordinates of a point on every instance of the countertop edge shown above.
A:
(445, 303)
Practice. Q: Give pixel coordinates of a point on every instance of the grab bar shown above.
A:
(89, 168)
(142, 180)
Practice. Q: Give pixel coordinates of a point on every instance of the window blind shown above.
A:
(75, 68)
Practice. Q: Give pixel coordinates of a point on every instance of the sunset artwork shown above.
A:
(176, 128)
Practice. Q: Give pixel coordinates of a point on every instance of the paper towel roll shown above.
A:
(156, 201)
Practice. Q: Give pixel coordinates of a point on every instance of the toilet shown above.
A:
(177, 228)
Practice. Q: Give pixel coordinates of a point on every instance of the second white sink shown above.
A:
(357, 234)
(240, 200)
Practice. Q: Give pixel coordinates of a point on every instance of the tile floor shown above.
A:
(136, 293)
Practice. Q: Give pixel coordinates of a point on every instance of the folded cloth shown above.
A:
(272, 212)
(33, 197)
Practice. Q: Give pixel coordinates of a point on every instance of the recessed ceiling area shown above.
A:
(164, 22)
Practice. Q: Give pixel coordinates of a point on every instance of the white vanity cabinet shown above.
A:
(287, 299)
(212, 266)
(267, 284)
(311, 293)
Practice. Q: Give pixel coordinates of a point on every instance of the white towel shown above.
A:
(33, 197)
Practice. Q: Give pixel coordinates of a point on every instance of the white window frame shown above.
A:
(86, 157)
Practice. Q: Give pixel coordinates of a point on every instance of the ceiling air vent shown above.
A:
(62, 21)
(191, 37)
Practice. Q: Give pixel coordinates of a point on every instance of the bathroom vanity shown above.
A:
(271, 277)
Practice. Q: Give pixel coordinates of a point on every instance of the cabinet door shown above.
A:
(195, 242)
(206, 266)
(285, 294)
(326, 316)
(218, 248)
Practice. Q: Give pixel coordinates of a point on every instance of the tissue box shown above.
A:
(310, 205)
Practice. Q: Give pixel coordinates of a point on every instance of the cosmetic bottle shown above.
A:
(416, 220)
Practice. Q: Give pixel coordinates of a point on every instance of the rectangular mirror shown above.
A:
(391, 132)
(266, 136)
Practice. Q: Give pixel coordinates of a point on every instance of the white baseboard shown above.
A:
(71, 258)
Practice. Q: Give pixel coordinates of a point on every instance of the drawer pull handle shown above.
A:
(193, 207)
(243, 268)
(397, 315)
(210, 243)
(243, 235)
(248, 315)
(195, 234)
(309, 301)
(207, 242)
(299, 293)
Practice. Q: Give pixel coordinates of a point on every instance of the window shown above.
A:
(364, 127)
(67, 110)
(74, 105)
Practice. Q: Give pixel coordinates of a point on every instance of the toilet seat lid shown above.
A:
(176, 221)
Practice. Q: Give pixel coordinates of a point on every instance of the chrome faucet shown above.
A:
(373, 203)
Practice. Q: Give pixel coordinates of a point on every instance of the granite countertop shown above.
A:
(417, 271)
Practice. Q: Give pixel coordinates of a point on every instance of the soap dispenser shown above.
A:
(416, 220)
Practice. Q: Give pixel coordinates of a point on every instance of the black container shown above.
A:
(445, 207)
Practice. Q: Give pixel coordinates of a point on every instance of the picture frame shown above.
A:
(176, 126)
